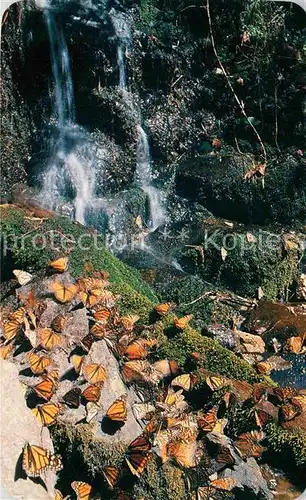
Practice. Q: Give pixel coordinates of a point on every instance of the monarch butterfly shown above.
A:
(299, 399)
(94, 373)
(164, 308)
(216, 383)
(72, 398)
(208, 421)
(58, 323)
(77, 361)
(137, 463)
(47, 413)
(184, 381)
(185, 454)
(87, 342)
(102, 315)
(64, 292)
(259, 390)
(137, 350)
(247, 444)
(11, 329)
(92, 393)
(135, 370)
(117, 412)
(225, 456)
(38, 364)
(23, 277)
(224, 484)
(46, 388)
(173, 397)
(289, 411)
(91, 297)
(111, 474)
(143, 411)
(230, 399)
(264, 367)
(284, 394)
(98, 330)
(86, 284)
(82, 490)
(92, 409)
(37, 460)
(60, 265)
(6, 350)
(49, 339)
(128, 322)
(166, 367)
(18, 315)
(181, 323)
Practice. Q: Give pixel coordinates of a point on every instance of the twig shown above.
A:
(276, 118)
(176, 81)
(240, 103)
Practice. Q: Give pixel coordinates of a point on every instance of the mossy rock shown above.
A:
(289, 447)
(214, 357)
(30, 243)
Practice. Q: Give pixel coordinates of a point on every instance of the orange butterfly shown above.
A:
(135, 370)
(216, 383)
(111, 474)
(92, 393)
(87, 342)
(102, 315)
(64, 292)
(60, 265)
(49, 339)
(98, 330)
(224, 484)
(164, 308)
(37, 460)
(290, 410)
(6, 350)
(181, 323)
(208, 421)
(58, 323)
(284, 394)
(138, 455)
(47, 413)
(94, 373)
(38, 364)
(18, 315)
(128, 322)
(166, 367)
(185, 454)
(184, 381)
(225, 456)
(82, 490)
(137, 349)
(117, 412)
(77, 361)
(11, 329)
(46, 388)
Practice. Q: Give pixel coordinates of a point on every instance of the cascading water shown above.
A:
(67, 170)
(144, 175)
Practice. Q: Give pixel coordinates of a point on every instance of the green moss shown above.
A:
(84, 456)
(290, 446)
(33, 243)
(132, 302)
(213, 356)
(161, 482)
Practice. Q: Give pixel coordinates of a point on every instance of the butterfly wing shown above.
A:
(38, 364)
(82, 490)
(92, 393)
(183, 381)
(37, 460)
(49, 339)
(45, 389)
(72, 398)
(117, 412)
(46, 414)
(23, 277)
(94, 373)
(60, 265)
(111, 474)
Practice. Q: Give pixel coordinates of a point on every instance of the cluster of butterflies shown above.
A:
(170, 428)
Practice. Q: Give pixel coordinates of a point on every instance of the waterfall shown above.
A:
(143, 174)
(67, 171)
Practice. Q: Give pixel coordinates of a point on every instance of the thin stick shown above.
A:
(240, 103)
(276, 117)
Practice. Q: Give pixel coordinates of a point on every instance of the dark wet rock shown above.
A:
(225, 336)
(249, 479)
(217, 182)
